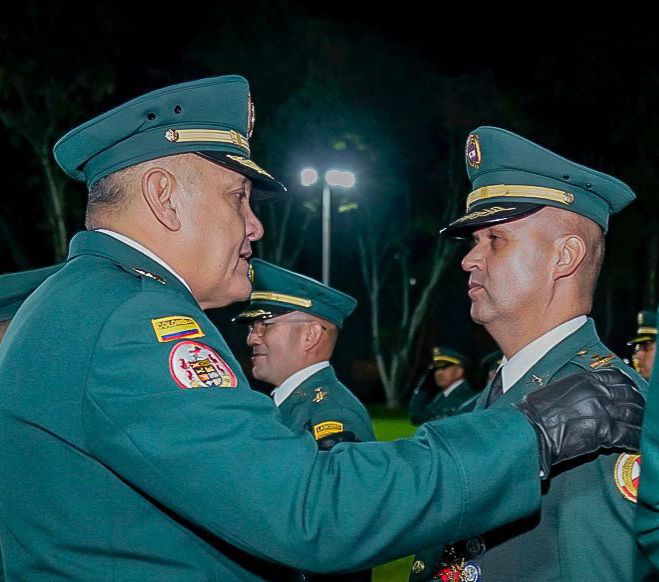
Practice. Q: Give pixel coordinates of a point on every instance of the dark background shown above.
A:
(389, 92)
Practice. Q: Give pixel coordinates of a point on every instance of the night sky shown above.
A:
(586, 90)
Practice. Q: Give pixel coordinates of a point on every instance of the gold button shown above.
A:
(171, 135)
(418, 567)
(568, 197)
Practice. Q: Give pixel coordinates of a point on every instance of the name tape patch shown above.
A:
(324, 429)
(176, 327)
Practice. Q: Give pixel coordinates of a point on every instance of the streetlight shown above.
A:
(340, 178)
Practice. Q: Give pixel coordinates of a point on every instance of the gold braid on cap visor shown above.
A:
(508, 191)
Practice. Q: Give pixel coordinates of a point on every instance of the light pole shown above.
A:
(341, 178)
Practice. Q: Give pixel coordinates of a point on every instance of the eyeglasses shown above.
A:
(259, 328)
(643, 347)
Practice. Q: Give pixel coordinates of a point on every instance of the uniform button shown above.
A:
(418, 567)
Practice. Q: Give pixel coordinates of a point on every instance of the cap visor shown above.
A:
(265, 187)
(641, 339)
(254, 312)
(484, 216)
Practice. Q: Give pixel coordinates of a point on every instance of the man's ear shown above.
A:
(159, 188)
(571, 251)
(312, 335)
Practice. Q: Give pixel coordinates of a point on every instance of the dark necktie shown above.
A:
(496, 389)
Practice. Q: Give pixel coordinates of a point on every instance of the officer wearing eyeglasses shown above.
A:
(293, 324)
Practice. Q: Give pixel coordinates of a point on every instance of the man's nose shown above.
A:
(253, 339)
(253, 226)
(473, 260)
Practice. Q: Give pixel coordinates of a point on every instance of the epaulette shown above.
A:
(594, 361)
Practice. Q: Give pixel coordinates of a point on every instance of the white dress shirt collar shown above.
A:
(453, 387)
(137, 246)
(286, 388)
(514, 369)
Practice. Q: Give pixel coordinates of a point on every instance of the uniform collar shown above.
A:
(130, 257)
(288, 386)
(514, 369)
(137, 246)
(452, 387)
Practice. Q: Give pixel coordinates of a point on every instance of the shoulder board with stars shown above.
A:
(596, 361)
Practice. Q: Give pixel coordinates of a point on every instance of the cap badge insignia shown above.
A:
(473, 151)
(251, 116)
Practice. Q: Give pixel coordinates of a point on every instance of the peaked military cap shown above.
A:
(15, 288)
(212, 117)
(443, 357)
(647, 328)
(276, 291)
(513, 177)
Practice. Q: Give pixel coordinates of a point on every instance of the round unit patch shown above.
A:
(195, 365)
(626, 474)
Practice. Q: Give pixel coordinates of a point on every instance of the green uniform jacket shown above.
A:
(325, 407)
(584, 528)
(424, 408)
(132, 448)
(647, 516)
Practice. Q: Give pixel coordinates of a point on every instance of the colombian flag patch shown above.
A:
(176, 327)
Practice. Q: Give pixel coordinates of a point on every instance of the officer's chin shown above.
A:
(237, 290)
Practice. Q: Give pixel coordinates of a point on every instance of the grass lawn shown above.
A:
(391, 425)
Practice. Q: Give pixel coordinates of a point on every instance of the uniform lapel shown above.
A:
(543, 370)
(305, 392)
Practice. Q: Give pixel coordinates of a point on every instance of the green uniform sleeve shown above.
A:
(219, 459)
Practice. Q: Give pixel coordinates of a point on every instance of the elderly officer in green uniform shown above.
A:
(538, 222)
(448, 390)
(294, 323)
(131, 445)
(645, 343)
(647, 513)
